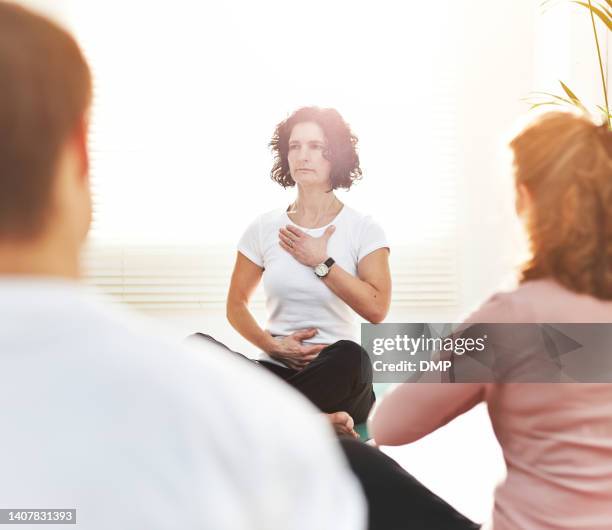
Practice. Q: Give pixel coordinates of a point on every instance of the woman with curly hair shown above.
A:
(556, 437)
(321, 262)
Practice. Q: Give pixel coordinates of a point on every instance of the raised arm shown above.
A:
(413, 410)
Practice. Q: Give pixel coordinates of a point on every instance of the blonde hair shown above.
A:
(564, 159)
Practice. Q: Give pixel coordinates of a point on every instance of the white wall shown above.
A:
(522, 49)
(56, 9)
(500, 74)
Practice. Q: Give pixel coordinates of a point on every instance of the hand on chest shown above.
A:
(339, 247)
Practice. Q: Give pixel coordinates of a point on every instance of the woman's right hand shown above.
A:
(292, 352)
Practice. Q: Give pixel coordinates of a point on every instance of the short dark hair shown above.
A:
(341, 148)
(45, 87)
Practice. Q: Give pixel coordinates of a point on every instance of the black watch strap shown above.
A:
(329, 262)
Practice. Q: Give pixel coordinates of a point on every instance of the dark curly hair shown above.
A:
(341, 148)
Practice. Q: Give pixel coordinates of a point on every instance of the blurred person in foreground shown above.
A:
(133, 432)
(557, 437)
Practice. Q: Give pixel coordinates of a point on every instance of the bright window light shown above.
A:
(188, 94)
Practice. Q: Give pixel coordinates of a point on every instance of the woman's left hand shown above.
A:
(308, 250)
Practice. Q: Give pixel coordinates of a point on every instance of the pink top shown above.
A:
(556, 438)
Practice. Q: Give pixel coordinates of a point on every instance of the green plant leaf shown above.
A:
(606, 113)
(545, 5)
(543, 103)
(601, 9)
(554, 96)
(606, 8)
(535, 103)
(572, 96)
(604, 16)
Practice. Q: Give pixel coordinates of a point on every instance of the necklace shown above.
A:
(293, 209)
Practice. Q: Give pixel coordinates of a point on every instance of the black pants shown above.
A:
(396, 500)
(340, 378)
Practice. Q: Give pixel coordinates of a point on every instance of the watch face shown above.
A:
(321, 270)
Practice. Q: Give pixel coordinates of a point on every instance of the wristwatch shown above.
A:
(322, 269)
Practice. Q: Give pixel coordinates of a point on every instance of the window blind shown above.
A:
(179, 131)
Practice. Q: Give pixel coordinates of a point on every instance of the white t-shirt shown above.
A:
(295, 297)
(138, 433)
